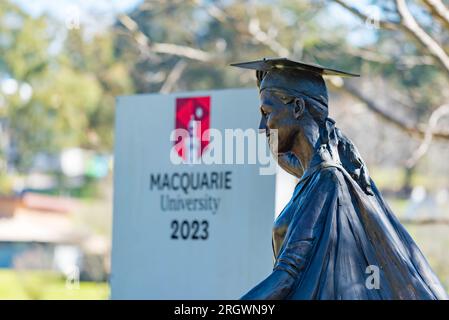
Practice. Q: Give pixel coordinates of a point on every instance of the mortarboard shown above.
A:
(293, 76)
(268, 64)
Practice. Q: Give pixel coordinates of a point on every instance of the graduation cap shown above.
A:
(293, 76)
(268, 64)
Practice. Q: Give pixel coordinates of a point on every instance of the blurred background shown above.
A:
(62, 63)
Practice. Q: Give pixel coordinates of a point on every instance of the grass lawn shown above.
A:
(47, 285)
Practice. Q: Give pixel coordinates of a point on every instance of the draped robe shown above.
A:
(332, 236)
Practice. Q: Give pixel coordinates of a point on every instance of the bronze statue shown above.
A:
(337, 230)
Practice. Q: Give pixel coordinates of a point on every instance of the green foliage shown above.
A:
(74, 87)
(6, 185)
(73, 90)
(46, 285)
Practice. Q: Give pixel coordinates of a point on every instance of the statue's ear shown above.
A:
(299, 106)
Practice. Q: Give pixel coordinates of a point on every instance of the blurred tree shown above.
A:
(67, 95)
(411, 50)
(58, 98)
(186, 45)
(173, 44)
(24, 62)
(96, 59)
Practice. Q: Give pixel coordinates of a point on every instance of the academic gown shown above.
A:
(335, 240)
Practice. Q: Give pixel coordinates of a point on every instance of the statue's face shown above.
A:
(277, 112)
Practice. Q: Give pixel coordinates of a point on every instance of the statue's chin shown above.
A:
(285, 142)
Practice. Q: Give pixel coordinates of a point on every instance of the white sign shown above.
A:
(188, 230)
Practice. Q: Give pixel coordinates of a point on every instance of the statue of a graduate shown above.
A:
(337, 230)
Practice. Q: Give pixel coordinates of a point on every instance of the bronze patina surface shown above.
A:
(336, 227)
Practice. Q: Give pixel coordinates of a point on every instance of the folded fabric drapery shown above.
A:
(336, 233)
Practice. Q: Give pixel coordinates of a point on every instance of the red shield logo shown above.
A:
(193, 117)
